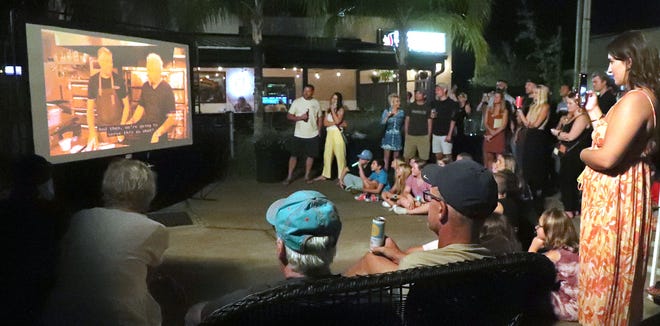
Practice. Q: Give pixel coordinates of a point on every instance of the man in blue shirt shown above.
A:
(373, 185)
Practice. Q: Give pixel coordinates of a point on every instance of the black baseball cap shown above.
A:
(465, 185)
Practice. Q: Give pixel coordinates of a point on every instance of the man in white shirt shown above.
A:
(306, 113)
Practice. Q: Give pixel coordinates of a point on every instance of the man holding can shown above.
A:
(462, 195)
(307, 227)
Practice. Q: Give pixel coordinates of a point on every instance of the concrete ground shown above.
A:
(231, 246)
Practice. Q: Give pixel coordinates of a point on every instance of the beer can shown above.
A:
(377, 232)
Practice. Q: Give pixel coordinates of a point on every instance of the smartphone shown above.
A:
(582, 90)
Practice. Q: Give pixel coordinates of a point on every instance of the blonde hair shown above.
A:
(400, 182)
(154, 58)
(559, 230)
(391, 97)
(103, 50)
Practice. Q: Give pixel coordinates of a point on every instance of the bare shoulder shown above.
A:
(635, 103)
(554, 255)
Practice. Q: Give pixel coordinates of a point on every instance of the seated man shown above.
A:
(307, 226)
(412, 199)
(375, 183)
(462, 195)
(350, 176)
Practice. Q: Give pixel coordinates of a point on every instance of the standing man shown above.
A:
(107, 101)
(306, 113)
(156, 105)
(606, 98)
(562, 106)
(417, 128)
(443, 115)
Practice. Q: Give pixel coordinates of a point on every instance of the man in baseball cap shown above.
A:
(307, 226)
(462, 195)
(350, 178)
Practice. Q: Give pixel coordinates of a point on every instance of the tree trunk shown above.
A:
(257, 51)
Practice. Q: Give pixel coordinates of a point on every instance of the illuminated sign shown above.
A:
(430, 42)
(14, 70)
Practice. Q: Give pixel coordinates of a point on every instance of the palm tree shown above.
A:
(463, 20)
(191, 15)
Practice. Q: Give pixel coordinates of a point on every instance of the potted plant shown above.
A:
(272, 156)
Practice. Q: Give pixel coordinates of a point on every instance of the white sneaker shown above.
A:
(400, 210)
(386, 204)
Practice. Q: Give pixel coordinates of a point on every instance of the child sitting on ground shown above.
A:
(556, 235)
(373, 185)
(401, 174)
(411, 200)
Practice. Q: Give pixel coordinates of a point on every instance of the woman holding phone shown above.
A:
(616, 203)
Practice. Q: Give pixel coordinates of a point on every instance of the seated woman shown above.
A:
(107, 255)
(556, 234)
(411, 200)
(401, 174)
(499, 236)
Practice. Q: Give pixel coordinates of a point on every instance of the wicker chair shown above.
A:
(505, 290)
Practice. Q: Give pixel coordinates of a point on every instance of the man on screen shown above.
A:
(107, 97)
(156, 105)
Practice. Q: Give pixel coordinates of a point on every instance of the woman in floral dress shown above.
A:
(616, 203)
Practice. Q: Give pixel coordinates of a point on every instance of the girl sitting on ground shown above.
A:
(411, 200)
(556, 235)
(401, 174)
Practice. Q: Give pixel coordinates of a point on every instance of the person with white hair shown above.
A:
(107, 255)
(307, 226)
(156, 107)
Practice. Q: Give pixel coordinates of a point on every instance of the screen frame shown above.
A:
(37, 86)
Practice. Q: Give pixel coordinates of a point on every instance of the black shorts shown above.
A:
(309, 147)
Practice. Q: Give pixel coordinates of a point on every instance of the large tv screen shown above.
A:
(96, 94)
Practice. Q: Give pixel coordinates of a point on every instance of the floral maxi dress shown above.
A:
(614, 240)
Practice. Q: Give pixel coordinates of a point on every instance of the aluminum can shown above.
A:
(377, 232)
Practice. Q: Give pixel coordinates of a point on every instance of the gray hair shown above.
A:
(129, 184)
(317, 262)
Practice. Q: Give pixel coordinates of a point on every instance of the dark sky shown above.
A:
(607, 17)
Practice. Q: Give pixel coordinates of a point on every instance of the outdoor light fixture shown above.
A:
(219, 68)
(317, 76)
(338, 74)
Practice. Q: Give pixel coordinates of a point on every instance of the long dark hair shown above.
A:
(645, 62)
(340, 100)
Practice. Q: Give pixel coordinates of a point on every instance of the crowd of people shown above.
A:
(472, 208)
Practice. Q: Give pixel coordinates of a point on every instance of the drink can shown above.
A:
(377, 232)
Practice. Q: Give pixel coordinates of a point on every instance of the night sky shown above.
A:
(607, 17)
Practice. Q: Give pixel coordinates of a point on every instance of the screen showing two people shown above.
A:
(97, 94)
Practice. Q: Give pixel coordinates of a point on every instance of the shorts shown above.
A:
(309, 147)
(419, 145)
(441, 146)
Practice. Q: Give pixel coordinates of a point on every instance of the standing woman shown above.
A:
(334, 142)
(616, 203)
(496, 119)
(392, 118)
(460, 139)
(536, 148)
(573, 133)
